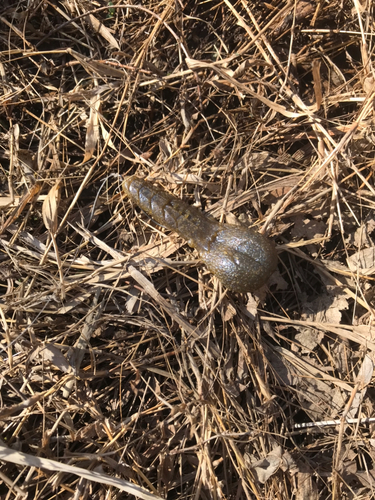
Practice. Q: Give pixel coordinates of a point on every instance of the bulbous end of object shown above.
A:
(241, 258)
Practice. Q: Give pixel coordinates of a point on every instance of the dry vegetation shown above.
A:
(126, 368)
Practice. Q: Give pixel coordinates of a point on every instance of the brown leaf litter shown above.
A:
(126, 366)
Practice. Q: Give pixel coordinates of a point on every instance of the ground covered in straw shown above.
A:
(126, 367)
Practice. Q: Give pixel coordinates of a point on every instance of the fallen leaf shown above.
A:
(103, 31)
(326, 308)
(268, 466)
(92, 133)
(363, 261)
(50, 208)
(52, 354)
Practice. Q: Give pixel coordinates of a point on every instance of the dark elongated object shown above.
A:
(241, 258)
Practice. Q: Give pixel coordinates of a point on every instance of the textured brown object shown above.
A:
(241, 258)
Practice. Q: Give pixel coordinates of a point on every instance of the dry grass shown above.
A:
(125, 365)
